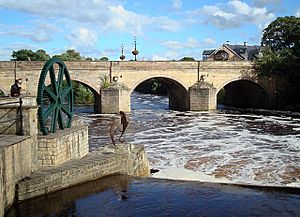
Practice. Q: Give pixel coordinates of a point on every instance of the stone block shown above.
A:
(57, 148)
(202, 97)
(115, 99)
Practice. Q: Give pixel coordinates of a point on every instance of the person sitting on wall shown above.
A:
(15, 90)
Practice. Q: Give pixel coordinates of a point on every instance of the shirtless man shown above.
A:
(116, 124)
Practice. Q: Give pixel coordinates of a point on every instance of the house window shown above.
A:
(221, 55)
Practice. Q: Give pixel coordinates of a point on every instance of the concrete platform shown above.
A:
(121, 159)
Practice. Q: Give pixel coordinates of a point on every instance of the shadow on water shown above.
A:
(126, 196)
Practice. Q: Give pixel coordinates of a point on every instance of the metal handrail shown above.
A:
(14, 120)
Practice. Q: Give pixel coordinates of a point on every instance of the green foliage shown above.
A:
(105, 83)
(82, 94)
(41, 55)
(221, 96)
(69, 55)
(29, 55)
(283, 33)
(187, 59)
(103, 59)
(281, 58)
(152, 86)
(281, 53)
(2, 93)
(88, 59)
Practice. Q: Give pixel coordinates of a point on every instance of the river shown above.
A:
(221, 146)
(224, 145)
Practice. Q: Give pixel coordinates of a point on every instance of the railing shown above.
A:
(18, 120)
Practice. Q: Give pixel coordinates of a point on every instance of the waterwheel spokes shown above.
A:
(61, 73)
(55, 100)
(60, 119)
(53, 79)
(50, 93)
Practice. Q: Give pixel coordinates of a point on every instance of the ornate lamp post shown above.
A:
(135, 51)
(122, 57)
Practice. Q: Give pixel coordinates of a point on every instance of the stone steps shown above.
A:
(122, 159)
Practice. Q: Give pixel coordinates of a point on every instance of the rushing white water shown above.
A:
(242, 148)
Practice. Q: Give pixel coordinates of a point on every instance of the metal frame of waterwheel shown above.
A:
(55, 100)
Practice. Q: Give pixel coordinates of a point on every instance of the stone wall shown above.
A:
(202, 97)
(15, 164)
(10, 112)
(57, 148)
(115, 99)
(105, 161)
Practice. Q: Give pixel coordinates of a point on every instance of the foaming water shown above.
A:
(242, 148)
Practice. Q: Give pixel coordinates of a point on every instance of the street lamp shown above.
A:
(122, 57)
(135, 51)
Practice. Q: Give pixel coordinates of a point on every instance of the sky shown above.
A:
(164, 30)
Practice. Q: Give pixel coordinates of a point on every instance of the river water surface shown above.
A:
(232, 146)
(222, 146)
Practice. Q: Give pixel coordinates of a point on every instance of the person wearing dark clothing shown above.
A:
(15, 89)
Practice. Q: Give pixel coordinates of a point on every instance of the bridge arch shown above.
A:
(243, 93)
(177, 92)
(93, 90)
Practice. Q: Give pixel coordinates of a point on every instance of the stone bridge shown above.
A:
(192, 85)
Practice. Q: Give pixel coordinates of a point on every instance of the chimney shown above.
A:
(228, 42)
(245, 43)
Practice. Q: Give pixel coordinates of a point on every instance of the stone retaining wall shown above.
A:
(122, 159)
(15, 164)
(57, 148)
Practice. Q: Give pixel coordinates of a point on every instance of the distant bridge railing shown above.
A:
(10, 115)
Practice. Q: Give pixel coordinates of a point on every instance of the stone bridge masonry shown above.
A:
(193, 85)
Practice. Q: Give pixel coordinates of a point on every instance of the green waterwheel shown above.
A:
(54, 97)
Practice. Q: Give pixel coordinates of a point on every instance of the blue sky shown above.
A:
(165, 30)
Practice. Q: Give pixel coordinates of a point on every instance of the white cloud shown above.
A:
(297, 12)
(157, 57)
(263, 3)
(166, 24)
(177, 4)
(240, 7)
(168, 55)
(83, 38)
(208, 42)
(103, 15)
(176, 45)
(6, 52)
(233, 14)
(37, 32)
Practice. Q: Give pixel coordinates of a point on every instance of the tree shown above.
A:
(41, 55)
(69, 55)
(283, 33)
(29, 55)
(187, 59)
(281, 58)
(281, 52)
(103, 59)
(88, 59)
